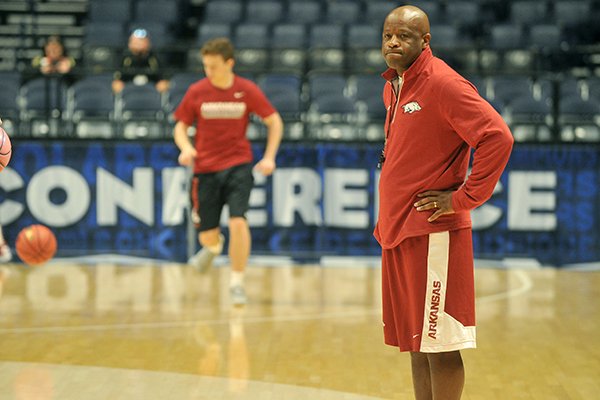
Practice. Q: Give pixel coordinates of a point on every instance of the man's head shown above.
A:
(217, 58)
(139, 42)
(405, 35)
(53, 48)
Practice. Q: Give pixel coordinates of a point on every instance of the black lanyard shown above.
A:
(393, 102)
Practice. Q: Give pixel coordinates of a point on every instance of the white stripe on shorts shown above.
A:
(441, 332)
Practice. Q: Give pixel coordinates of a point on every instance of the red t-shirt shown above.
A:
(437, 119)
(222, 117)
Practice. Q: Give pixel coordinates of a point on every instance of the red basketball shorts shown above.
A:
(429, 293)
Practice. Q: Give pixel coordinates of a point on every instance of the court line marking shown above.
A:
(524, 286)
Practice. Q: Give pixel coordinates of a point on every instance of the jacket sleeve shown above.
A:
(483, 129)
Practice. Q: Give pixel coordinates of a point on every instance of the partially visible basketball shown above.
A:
(5, 149)
(35, 244)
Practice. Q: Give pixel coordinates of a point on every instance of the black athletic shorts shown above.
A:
(210, 192)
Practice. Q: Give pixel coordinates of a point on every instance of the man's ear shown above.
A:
(426, 39)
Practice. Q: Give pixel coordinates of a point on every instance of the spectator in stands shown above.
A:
(55, 59)
(435, 117)
(139, 65)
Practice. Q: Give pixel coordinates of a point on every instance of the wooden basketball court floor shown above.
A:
(147, 331)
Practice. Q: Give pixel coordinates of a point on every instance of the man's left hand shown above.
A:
(265, 166)
(440, 202)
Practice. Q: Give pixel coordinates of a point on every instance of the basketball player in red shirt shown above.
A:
(434, 118)
(220, 105)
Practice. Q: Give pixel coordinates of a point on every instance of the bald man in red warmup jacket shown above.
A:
(434, 119)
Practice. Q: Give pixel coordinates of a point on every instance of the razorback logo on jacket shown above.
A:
(411, 107)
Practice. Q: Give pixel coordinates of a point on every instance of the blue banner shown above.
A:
(131, 198)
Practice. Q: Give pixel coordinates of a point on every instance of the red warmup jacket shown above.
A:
(430, 130)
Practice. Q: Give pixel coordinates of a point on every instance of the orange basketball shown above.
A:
(5, 149)
(35, 244)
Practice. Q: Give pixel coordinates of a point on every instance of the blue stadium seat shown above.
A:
(305, 12)
(178, 86)
(208, 30)
(264, 12)
(223, 11)
(432, 8)
(506, 36)
(366, 90)
(479, 82)
(110, 11)
(376, 11)
(507, 88)
(91, 108)
(592, 86)
(102, 44)
(139, 112)
(43, 92)
(110, 34)
(284, 91)
(252, 43)
(454, 46)
(181, 81)
(445, 36)
(288, 48)
(530, 120)
(465, 14)
(364, 86)
(506, 51)
(9, 106)
(44, 101)
(325, 84)
(164, 11)
(569, 87)
(333, 116)
(545, 37)
(343, 12)
(572, 12)
(578, 119)
(528, 12)
(326, 48)
(364, 49)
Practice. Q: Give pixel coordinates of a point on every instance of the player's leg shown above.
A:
(206, 205)
(239, 243)
(5, 253)
(449, 311)
(237, 191)
(447, 375)
(211, 238)
(421, 376)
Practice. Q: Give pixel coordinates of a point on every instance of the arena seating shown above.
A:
(537, 62)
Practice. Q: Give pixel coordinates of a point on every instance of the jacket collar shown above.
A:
(414, 70)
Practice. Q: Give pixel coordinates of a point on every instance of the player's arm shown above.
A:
(274, 125)
(479, 125)
(182, 141)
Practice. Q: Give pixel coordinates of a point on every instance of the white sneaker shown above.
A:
(5, 253)
(238, 295)
(203, 259)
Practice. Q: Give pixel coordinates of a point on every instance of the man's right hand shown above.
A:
(186, 157)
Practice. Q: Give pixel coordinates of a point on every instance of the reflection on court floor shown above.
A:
(142, 330)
